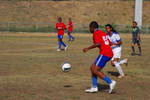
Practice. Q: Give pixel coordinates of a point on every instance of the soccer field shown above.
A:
(30, 69)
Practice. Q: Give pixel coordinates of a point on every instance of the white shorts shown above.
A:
(116, 52)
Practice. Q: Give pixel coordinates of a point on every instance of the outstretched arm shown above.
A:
(91, 47)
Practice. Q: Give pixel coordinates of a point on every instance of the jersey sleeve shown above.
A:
(64, 26)
(117, 37)
(137, 30)
(96, 39)
(56, 26)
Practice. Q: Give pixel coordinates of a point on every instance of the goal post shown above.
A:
(138, 12)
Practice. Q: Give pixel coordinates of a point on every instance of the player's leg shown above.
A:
(134, 40)
(116, 57)
(100, 74)
(59, 43)
(69, 37)
(72, 38)
(118, 67)
(94, 87)
(96, 70)
(139, 47)
(133, 49)
(66, 46)
(124, 61)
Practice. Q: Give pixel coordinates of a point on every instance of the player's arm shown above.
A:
(138, 30)
(119, 41)
(91, 47)
(56, 27)
(64, 27)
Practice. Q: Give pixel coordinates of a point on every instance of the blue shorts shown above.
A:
(60, 36)
(101, 61)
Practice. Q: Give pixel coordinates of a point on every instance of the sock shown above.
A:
(63, 44)
(107, 80)
(59, 45)
(122, 61)
(69, 37)
(94, 81)
(133, 50)
(72, 37)
(117, 65)
(140, 50)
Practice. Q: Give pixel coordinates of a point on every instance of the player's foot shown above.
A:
(69, 40)
(121, 76)
(72, 39)
(139, 54)
(92, 90)
(126, 62)
(112, 86)
(58, 49)
(66, 47)
(132, 54)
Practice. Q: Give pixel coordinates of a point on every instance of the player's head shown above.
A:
(93, 25)
(134, 24)
(109, 28)
(69, 19)
(59, 19)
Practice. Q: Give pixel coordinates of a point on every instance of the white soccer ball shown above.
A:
(66, 67)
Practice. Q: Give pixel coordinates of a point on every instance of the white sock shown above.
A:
(118, 67)
(122, 61)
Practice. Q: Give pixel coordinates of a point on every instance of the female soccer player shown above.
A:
(101, 41)
(116, 43)
(135, 38)
(70, 30)
(60, 26)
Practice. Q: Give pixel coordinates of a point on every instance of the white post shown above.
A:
(138, 12)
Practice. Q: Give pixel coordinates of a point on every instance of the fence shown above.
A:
(47, 27)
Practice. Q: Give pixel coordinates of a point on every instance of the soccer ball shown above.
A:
(66, 67)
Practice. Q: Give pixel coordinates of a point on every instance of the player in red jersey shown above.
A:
(70, 30)
(60, 26)
(101, 41)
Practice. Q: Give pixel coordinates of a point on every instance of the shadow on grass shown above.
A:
(67, 86)
(116, 74)
(104, 88)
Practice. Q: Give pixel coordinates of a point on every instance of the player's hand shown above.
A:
(85, 50)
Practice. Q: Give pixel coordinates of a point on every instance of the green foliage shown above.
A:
(81, 29)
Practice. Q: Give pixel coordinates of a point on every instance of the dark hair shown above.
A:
(134, 22)
(94, 24)
(108, 25)
(59, 18)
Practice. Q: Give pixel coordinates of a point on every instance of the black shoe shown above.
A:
(132, 54)
(139, 54)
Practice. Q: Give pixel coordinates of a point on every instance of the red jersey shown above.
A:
(100, 37)
(70, 26)
(60, 27)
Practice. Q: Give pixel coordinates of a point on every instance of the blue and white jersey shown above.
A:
(114, 38)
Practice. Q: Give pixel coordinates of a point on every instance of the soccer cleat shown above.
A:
(92, 90)
(139, 54)
(120, 76)
(58, 49)
(66, 47)
(132, 54)
(112, 86)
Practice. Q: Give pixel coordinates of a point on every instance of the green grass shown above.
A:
(30, 69)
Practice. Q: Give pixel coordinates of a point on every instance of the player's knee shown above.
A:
(116, 63)
(95, 71)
